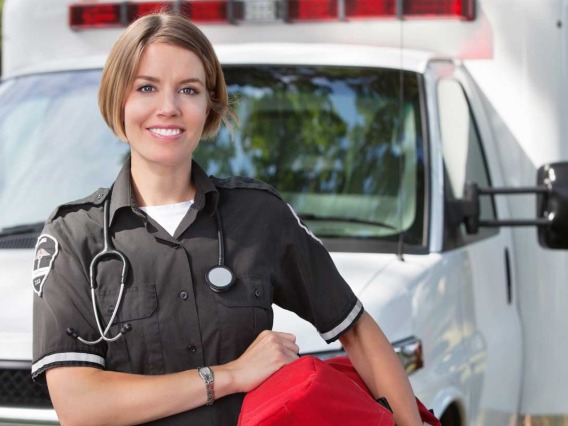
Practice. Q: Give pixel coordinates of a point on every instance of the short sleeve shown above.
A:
(61, 301)
(309, 283)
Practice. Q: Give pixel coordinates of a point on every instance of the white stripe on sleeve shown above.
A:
(332, 334)
(304, 227)
(67, 357)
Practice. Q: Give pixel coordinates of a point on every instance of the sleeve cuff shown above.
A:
(66, 359)
(343, 326)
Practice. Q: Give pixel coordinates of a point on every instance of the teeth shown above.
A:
(166, 132)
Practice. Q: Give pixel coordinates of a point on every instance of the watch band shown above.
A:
(207, 375)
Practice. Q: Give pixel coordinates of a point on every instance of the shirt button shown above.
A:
(110, 309)
(258, 292)
(192, 349)
(183, 295)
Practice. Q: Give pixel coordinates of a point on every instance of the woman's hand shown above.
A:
(270, 351)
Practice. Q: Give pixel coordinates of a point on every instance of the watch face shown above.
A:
(206, 374)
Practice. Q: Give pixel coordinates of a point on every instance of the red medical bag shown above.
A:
(313, 392)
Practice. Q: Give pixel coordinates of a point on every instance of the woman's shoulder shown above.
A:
(80, 206)
(257, 187)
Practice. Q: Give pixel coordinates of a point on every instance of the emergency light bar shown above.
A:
(109, 15)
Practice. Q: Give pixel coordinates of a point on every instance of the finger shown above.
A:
(288, 336)
(291, 346)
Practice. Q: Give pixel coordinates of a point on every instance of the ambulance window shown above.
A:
(463, 155)
(54, 144)
(338, 143)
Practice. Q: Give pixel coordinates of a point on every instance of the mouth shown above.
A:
(160, 131)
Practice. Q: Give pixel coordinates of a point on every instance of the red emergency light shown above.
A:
(95, 15)
(137, 10)
(312, 10)
(370, 8)
(206, 11)
(105, 15)
(464, 9)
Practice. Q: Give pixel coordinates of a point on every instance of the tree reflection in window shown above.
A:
(335, 141)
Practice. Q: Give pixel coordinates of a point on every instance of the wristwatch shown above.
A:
(207, 375)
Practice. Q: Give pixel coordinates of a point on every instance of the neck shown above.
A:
(157, 185)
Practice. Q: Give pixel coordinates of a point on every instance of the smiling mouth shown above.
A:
(165, 132)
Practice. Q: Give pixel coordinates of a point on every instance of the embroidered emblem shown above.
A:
(45, 252)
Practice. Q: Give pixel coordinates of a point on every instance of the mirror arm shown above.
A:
(471, 211)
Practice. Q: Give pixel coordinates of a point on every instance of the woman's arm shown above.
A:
(84, 395)
(376, 362)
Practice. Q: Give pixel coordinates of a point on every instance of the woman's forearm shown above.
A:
(83, 395)
(86, 395)
(376, 362)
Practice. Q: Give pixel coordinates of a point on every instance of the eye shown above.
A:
(146, 88)
(189, 91)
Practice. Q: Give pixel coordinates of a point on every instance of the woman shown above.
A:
(186, 349)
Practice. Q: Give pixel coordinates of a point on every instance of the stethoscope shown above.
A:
(219, 277)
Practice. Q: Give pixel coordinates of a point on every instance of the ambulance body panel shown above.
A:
(470, 316)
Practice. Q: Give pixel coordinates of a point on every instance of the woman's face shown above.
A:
(166, 108)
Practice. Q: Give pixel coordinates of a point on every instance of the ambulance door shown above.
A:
(479, 264)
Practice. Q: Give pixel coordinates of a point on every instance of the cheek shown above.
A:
(133, 114)
(199, 111)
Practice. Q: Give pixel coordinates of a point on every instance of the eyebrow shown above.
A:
(156, 80)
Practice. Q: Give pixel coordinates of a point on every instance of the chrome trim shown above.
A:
(27, 416)
(410, 353)
(15, 365)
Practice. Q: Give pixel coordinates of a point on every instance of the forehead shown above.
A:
(171, 60)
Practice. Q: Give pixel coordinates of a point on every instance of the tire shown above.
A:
(451, 416)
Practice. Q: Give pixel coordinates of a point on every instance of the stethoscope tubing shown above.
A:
(217, 283)
(108, 252)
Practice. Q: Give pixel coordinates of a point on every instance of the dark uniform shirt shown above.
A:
(178, 322)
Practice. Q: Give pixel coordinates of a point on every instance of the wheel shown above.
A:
(451, 416)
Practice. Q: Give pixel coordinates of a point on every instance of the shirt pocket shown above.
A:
(140, 350)
(244, 311)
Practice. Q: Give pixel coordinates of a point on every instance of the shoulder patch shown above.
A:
(45, 252)
(239, 182)
(96, 198)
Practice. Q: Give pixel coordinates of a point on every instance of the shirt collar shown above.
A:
(206, 196)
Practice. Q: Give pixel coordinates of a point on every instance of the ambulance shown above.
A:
(422, 141)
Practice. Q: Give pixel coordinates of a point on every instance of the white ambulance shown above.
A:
(365, 116)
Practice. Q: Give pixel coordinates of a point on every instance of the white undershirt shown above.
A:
(168, 216)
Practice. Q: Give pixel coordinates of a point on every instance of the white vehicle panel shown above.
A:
(16, 304)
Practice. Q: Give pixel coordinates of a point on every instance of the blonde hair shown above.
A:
(124, 58)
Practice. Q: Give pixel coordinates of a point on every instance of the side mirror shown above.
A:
(553, 205)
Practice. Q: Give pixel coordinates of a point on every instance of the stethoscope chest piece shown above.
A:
(220, 278)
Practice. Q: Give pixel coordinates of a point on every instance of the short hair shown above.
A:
(124, 58)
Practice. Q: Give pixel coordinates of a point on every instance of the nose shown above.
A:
(168, 106)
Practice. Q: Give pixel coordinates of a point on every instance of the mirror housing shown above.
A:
(553, 205)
